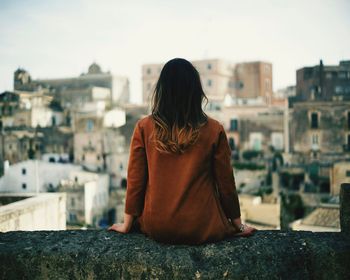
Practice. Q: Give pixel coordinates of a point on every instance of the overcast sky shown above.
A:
(55, 39)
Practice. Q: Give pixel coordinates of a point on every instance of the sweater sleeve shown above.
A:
(224, 177)
(137, 174)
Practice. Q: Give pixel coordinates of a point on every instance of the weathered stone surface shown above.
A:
(98, 254)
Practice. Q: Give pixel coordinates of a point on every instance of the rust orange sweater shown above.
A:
(182, 199)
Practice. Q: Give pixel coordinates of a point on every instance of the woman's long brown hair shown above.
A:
(177, 107)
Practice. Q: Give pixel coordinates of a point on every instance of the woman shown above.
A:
(180, 184)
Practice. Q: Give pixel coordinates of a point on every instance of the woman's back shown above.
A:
(180, 183)
(182, 198)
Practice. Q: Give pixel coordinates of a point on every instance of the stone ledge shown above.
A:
(99, 254)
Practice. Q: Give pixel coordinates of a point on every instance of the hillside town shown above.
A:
(64, 144)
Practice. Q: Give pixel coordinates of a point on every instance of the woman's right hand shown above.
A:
(248, 231)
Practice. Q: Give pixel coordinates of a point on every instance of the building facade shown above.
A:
(87, 197)
(324, 82)
(220, 78)
(34, 176)
(95, 77)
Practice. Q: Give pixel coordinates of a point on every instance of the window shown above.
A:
(148, 86)
(267, 84)
(338, 89)
(72, 202)
(209, 83)
(348, 142)
(98, 157)
(342, 75)
(209, 66)
(148, 71)
(24, 186)
(239, 85)
(89, 125)
(233, 125)
(76, 179)
(255, 141)
(83, 157)
(24, 171)
(72, 217)
(328, 75)
(347, 173)
(314, 120)
(314, 139)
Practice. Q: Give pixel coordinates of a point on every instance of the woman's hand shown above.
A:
(122, 228)
(248, 231)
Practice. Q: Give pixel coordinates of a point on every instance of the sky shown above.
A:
(57, 39)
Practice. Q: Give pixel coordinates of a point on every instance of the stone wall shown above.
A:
(99, 254)
(36, 212)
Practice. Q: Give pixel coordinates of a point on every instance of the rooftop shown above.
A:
(324, 216)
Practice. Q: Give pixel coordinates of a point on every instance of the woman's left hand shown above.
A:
(122, 228)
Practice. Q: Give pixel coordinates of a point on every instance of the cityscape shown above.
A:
(64, 143)
(77, 82)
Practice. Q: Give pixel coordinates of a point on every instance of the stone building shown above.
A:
(99, 144)
(73, 98)
(88, 142)
(249, 80)
(254, 127)
(253, 80)
(324, 82)
(33, 176)
(339, 174)
(87, 197)
(320, 130)
(95, 77)
(20, 145)
(9, 105)
(38, 109)
(215, 76)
